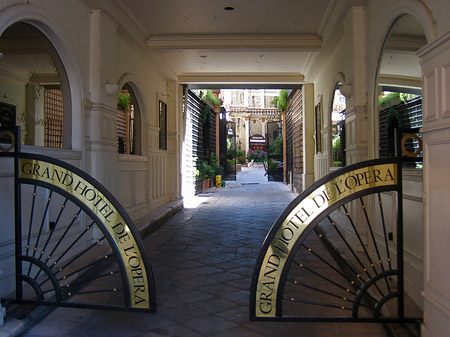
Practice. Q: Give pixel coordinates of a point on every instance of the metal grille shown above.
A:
(274, 154)
(53, 114)
(194, 120)
(409, 116)
(228, 149)
(209, 129)
(121, 130)
(294, 139)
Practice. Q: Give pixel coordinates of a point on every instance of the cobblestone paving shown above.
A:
(202, 259)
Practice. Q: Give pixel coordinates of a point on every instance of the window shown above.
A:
(36, 86)
(162, 125)
(128, 122)
(237, 98)
(255, 99)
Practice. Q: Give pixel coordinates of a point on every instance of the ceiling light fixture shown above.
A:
(229, 8)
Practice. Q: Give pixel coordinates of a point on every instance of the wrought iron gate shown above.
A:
(228, 139)
(328, 257)
(274, 146)
(75, 246)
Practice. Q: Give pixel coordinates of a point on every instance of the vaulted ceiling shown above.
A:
(229, 40)
(232, 41)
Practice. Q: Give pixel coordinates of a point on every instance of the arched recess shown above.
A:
(397, 103)
(256, 127)
(240, 133)
(46, 25)
(337, 126)
(129, 121)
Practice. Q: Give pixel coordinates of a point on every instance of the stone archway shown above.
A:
(397, 103)
(43, 22)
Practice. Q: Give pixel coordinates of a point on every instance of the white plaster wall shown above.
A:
(58, 21)
(336, 67)
(145, 181)
(139, 182)
(378, 18)
(436, 81)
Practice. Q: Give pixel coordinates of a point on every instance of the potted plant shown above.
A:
(205, 173)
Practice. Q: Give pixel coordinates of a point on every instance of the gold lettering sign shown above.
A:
(308, 209)
(108, 215)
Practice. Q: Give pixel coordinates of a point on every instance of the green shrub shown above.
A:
(213, 163)
(276, 147)
(123, 101)
(205, 171)
(273, 167)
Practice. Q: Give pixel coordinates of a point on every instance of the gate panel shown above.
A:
(75, 244)
(274, 142)
(311, 268)
(228, 138)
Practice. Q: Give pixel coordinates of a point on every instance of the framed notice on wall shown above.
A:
(7, 115)
(318, 126)
(7, 119)
(162, 125)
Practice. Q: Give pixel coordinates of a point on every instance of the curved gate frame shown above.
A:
(308, 210)
(105, 211)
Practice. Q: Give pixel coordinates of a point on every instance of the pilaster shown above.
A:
(101, 144)
(175, 120)
(356, 134)
(434, 59)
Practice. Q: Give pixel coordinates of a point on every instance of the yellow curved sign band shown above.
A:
(308, 209)
(108, 215)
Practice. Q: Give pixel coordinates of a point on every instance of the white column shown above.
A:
(101, 113)
(356, 112)
(247, 133)
(434, 59)
(174, 119)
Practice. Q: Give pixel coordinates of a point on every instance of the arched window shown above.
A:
(399, 102)
(338, 127)
(34, 90)
(128, 126)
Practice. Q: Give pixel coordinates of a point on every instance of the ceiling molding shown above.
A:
(238, 78)
(405, 43)
(332, 17)
(408, 81)
(306, 42)
(123, 18)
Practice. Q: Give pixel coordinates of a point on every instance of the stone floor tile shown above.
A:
(241, 297)
(205, 270)
(210, 325)
(237, 315)
(220, 289)
(215, 304)
(237, 332)
(182, 313)
(194, 296)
